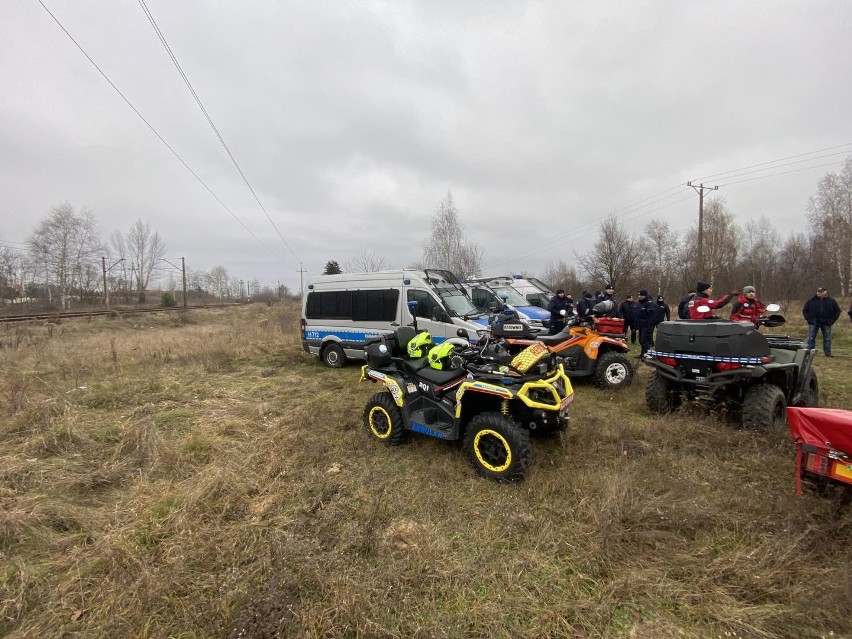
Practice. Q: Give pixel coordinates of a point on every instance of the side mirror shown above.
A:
(462, 333)
(773, 308)
(704, 308)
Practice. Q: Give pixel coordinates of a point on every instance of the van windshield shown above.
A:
(541, 286)
(458, 303)
(512, 296)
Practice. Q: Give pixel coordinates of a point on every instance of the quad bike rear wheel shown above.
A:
(613, 371)
(497, 447)
(764, 407)
(661, 395)
(810, 394)
(383, 419)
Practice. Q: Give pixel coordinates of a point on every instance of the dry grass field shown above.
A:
(201, 476)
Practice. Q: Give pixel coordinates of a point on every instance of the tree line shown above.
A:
(665, 261)
(65, 260)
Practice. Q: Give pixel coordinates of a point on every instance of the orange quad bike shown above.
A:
(592, 346)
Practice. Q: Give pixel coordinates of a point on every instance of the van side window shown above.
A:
(329, 305)
(375, 306)
(426, 304)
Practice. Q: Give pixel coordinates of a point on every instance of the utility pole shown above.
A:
(106, 291)
(183, 271)
(301, 270)
(700, 190)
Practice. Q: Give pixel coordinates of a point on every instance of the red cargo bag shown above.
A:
(610, 326)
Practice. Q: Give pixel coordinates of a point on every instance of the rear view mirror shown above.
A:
(773, 308)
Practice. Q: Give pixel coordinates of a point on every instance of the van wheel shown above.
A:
(333, 356)
(764, 407)
(497, 447)
(613, 371)
(383, 419)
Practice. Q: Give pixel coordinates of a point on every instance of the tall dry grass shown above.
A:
(203, 477)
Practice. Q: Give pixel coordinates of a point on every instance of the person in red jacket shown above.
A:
(747, 307)
(702, 298)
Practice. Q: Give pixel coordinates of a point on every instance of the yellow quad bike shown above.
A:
(454, 393)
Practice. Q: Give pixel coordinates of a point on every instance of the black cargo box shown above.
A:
(719, 338)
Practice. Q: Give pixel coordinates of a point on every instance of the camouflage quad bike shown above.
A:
(718, 362)
(456, 394)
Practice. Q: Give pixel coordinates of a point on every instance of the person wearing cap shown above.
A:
(560, 310)
(609, 294)
(646, 320)
(702, 298)
(747, 308)
(627, 311)
(664, 313)
(821, 312)
(585, 305)
(683, 305)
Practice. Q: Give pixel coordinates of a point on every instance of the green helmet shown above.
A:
(439, 356)
(419, 344)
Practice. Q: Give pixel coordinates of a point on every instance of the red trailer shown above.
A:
(823, 438)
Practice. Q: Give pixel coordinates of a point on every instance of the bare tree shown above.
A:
(830, 218)
(658, 246)
(559, 275)
(446, 246)
(365, 261)
(217, 281)
(144, 248)
(722, 239)
(615, 257)
(65, 247)
(759, 263)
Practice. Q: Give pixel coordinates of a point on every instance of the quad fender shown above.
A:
(599, 344)
(391, 382)
(804, 360)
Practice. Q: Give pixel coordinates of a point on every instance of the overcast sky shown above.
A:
(352, 120)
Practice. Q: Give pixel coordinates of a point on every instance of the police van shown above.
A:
(486, 298)
(536, 292)
(340, 312)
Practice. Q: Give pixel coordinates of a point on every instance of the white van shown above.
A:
(534, 290)
(340, 312)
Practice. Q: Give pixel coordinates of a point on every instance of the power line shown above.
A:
(791, 157)
(189, 86)
(160, 137)
(804, 168)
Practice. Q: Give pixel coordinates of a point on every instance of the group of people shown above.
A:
(641, 316)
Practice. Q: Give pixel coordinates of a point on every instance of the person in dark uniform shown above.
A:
(646, 320)
(821, 312)
(585, 305)
(557, 304)
(664, 313)
(627, 311)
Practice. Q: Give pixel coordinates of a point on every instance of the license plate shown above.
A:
(566, 402)
(843, 471)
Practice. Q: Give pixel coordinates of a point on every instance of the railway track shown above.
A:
(37, 317)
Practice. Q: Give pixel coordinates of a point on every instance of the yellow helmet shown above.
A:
(439, 356)
(419, 345)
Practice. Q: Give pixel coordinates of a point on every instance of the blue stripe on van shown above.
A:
(351, 337)
(535, 312)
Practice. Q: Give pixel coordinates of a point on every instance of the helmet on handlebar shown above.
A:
(439, 356)
(419, 345)
(602, 308)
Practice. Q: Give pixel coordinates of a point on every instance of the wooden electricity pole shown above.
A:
(700, 190)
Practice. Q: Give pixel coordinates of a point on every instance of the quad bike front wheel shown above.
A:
(764, 407)
(383, 419)
(661, 395)
(613, 371)
(497, 447)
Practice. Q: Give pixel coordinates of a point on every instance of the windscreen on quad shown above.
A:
(719, 338)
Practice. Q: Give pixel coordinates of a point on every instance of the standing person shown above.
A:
(584, 306)
(664, 313)
(627, 311)
(556, 306)
(609, 294)
(683, 305)
(747, 307)
(702, 298)
(849, 312)
(646, 319)
(821, 312)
